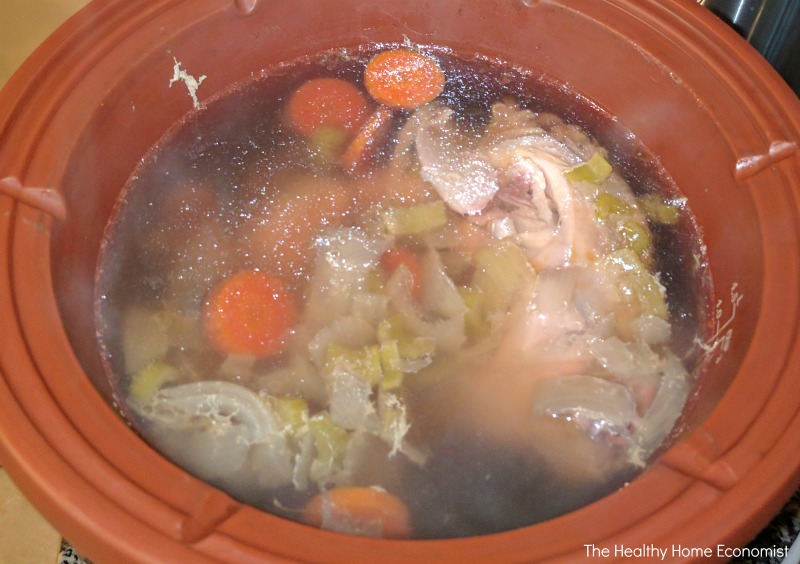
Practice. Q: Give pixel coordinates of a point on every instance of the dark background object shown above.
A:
(771, 26)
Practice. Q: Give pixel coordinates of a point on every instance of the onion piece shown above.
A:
(350, 404)
(448, 333)
(599, 406)
(345, 258)
(667, 406)
(352, 332)
(209, 428)
(440, 295)
(626, 360)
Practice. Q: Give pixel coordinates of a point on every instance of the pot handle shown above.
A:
(46, 200)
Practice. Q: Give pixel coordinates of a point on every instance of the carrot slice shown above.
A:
(362, 511)
(398, 256)
(250, 313)
(329, 102)
(403, 78)
(362, 148)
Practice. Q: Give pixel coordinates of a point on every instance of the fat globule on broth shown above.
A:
(403, 292)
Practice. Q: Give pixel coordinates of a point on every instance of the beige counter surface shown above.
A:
(24, 24)
(25, 537)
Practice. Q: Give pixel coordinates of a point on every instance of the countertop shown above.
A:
(25, 537)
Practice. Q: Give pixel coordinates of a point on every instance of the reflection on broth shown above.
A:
(403, 293)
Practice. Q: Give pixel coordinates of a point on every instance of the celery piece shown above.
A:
(390, 362)
(474, 322)
(293, 413)
(416, 348)
(409, 346)
(501, 272)
(659, 211)
(145, 337)
(330, 441)
(149, 380)
(391, 328)
(639, 283)
(364, 362)
(596, 170)
(636, 236)
(414, 219)
(608, 204)
(327, 144)
(375, 281)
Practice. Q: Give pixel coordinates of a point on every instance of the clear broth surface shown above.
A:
(197, 212)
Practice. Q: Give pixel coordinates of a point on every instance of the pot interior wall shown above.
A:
(132, 104)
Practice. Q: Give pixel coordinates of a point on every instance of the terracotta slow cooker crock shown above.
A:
(95, 97)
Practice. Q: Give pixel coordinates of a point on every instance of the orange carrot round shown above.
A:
(329, 102)
(403, 78)
(250, 313)
(359, 511)
(369, 136)
(398, 256)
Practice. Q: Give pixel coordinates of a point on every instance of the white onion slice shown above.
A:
(208, 428)
(667, 406)
(596, 404)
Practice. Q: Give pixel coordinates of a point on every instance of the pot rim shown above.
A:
(711, 472)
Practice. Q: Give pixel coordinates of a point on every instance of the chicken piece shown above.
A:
(511, 178)
(221, 432)
(457, 169)
(551, 222)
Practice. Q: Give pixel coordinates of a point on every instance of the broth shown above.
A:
(300, 315)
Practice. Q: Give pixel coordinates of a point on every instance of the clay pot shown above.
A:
(95, 97)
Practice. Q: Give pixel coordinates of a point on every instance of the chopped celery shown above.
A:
(409, 346)
(149, 380)
(639, 283)
(660, 211)
(326, 144)
(401, 351)
(416, 348)
(637, 236)
(390, 362)
(330, 442)
(293, 413)
(474, 322)
(415, 219)
(595, 170)
(391, 328)
(375, 281)
(364, 362)
(145, 337)
(608, 204)
(501, 272)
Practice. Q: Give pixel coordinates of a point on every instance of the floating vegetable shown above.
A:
(595, 170)
(327, 102)
(415, 219)
(661, 211)
(403, 78)
(501, 272)
(399, 256)
(608, 204)
(369, 136)
(366, 511)
(250, 313)
(149, 380)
